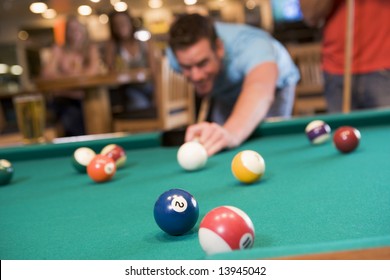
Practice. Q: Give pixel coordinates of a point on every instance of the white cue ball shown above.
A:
(192, 156)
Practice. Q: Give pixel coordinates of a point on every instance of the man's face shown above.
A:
(201, 64)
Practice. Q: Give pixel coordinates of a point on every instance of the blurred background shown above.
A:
(29, 28)
(24, 32)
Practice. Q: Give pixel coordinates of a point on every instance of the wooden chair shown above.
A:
(309, 97)
(175, 104)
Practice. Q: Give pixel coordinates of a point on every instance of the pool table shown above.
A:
(312, 203)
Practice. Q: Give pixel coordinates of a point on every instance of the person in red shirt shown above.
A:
(370, 53)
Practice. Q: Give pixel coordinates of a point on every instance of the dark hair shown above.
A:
(189, 29)
(69, 20)
(111, 16)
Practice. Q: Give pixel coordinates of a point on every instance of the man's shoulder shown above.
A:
(172, 59)
(225, 28)
(241, 35)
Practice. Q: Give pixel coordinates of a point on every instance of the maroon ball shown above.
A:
(346, 139)
(116, 152)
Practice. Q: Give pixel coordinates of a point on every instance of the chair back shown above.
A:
(175, 101)
(309, 98)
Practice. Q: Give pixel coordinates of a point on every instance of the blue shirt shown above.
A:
(245, 48)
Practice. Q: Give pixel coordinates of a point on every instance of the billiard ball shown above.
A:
(346, 139)
(6, 172)
(248, 166)
(82, 157)
(224, 229)
(318, 132)
(116, 152)
(176, 211)
(101, 168)
(192, 156)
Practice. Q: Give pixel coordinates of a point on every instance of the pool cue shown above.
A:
(347, 95)
(203, 112)
(204, 109)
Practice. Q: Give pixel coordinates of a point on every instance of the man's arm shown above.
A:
(253, 102)
(315, 12)
(250, 109)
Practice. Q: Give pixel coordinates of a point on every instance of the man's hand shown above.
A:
(212, 136)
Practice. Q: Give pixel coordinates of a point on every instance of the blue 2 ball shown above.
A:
(176, 211)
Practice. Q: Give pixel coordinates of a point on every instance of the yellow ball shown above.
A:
(248, 166)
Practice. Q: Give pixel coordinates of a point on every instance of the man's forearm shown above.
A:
(253, 103)
(242, 123)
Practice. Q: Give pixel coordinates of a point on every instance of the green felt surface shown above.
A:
(311, 198)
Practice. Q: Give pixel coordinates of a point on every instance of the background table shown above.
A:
(312, 199)
(96, 103)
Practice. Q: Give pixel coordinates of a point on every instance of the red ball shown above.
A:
(101, 168)
(346, 139)
(226, 228)
(116, 152)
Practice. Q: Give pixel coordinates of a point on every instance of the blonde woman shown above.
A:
(78, 56)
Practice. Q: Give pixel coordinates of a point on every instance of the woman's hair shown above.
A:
(69, 20)
(189, 29)
(111, 16)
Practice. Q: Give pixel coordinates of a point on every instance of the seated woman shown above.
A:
(76, 57)
(123, 51)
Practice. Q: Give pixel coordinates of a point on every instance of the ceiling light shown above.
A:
(120, 6)
(250, 4)
(103, 19)
(23, 35)
(38, 7)
(113, 2)
(16, 70)
(142, 35)
(155, 4)
(84, 10)
(190, 2)
(3, 68)
(49, 14)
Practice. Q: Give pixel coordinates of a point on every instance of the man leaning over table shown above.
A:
(246, 73)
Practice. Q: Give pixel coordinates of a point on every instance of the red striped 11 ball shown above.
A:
(176, 211)
(224, 229)
(318, 132)
(6, 172)
(346, 139)
(101, 168)
(116, 152)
